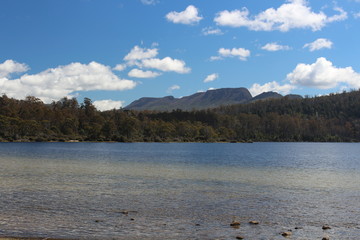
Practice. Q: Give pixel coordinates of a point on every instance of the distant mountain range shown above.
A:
(203, 100)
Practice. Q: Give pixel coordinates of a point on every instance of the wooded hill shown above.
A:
(202, 100)
(328, 118)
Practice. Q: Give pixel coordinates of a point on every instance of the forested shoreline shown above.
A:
(333, 118)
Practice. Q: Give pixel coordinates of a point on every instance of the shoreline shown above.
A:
(249, 141)
(32, 238)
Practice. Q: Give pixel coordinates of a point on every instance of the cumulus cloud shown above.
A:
(211, 77)
(323, 75)
(290, 15)
(211, 31)
(257, 89)
(166, 64)
(138, 73)
(9, 67)
(241, 53)
(145, 58)
(104, 105)
(189, 16)
(357, 15)
(55, 83)
(138, 53)
(273, 47)
(319, 44)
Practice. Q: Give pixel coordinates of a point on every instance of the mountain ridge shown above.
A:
(202, 100)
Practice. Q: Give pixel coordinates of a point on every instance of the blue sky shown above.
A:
(116, 51)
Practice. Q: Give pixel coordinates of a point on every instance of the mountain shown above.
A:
(265, 96)
(202, 100)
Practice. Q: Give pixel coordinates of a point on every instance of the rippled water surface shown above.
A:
(179, 190)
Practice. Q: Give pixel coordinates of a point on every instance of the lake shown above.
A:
(179, 190)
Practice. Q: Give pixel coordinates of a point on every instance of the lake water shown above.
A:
(179, 190)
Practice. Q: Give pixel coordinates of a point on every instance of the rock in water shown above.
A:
(254, 222)
(326, 227)
(286, 234)
(235, 223)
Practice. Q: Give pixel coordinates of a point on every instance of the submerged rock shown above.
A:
(254, 222)
(239, 237)
(326, 238)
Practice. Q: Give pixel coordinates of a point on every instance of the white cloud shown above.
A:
(104, 105)
(9, 66)
(319, 44)
(145, 58)
(166, 64)
(215, 58)
(241, 53)
(55, 83)
(257, 89)
(172, 88)
(120, 67)
(138, 73)
(273, 47)
(189, 16)
(211, 77)
(357, 15)
(292, 14)
(149, 2)
(339, 17)
(211, 31)
(155, 44)
(322, 74)
(138, 53)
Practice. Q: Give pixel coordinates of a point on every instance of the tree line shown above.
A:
(333, 118)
